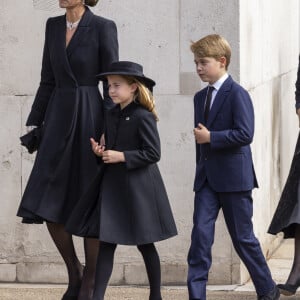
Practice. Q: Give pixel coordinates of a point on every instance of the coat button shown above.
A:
(205, 158)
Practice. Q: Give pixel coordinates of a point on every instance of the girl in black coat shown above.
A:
(70, 108)
(287, 215)
(134, 207)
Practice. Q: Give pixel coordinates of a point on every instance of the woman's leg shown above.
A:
(64, 243)
(152, 264)
(105, 263)
(294, 277)
(91, 247)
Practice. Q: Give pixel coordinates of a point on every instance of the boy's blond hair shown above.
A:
(212, 45)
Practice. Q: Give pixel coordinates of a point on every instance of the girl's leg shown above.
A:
(64, 243)
(91, 247)
(104, 269)
(294, 277)
(152, 264)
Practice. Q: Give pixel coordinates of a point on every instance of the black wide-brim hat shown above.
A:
(128, 68)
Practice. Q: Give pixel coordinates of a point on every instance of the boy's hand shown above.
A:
(97, 149)
(111, 157)
(202, 135)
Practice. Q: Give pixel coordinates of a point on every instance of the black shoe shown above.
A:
(288, 289)
(273, 295)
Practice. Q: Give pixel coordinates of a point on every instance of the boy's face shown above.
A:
(210, 69)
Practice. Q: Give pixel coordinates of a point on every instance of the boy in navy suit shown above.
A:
(225, 177)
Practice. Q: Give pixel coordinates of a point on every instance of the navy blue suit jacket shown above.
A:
(226, 162)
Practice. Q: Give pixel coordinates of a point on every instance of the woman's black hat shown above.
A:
(127, 68)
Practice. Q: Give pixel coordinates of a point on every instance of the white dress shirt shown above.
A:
(217, 85)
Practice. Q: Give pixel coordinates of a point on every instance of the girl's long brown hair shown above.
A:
(143, 95)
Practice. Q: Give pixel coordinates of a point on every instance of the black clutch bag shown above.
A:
(32, 139)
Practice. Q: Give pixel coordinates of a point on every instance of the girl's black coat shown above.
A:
(70, 107)
(133, 204)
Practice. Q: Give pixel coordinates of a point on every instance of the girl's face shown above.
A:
(70, 3)
(120, 91)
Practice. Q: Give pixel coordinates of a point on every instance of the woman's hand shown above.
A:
(298, 113)
(97, 149)
(112, 157)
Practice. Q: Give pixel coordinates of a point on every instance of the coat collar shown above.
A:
(81, 31)
(128, 110)
(219, 100)
(79, 36)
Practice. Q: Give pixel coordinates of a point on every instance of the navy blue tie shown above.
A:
(207, 103)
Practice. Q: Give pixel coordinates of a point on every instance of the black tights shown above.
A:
(294, 277)
(105, 266)
(81, 280)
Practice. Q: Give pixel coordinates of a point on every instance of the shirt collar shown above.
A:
(217, 85)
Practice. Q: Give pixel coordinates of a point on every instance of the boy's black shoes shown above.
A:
(273, 295)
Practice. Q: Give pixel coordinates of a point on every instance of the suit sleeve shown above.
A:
(196, 111)
(149, 152)
(242, 131)
(297, 92)
(47, 84)
(109, 52)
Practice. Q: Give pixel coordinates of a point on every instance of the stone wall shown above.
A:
(157, 34)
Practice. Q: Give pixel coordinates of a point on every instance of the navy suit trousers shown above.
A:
(237, 209)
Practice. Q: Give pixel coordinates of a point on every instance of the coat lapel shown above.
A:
(219, 100)
(61, 44)
(81, 32)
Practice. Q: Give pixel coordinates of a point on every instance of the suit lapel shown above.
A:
(219, 100)
(81, 32)
(200, 107)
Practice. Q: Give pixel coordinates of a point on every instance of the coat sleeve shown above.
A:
(242, 131)
(297, 92)
(109, 52)
(149, 152)
(47, 84)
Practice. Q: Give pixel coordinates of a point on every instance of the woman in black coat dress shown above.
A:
(70, 108)
(287, 215)
(134, 206)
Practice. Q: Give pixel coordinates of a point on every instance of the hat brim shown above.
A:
(147, 81)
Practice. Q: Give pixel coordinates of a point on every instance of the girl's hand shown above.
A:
(112, 157)
(97, 149)
(102, 140)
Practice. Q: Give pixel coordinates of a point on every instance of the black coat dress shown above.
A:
(287, 214)
(133, 206)
(69, 106)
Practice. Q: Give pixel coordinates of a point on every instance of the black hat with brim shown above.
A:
(127, 68)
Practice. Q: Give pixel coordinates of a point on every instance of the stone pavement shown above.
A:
(279, 264)
(54, 292)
